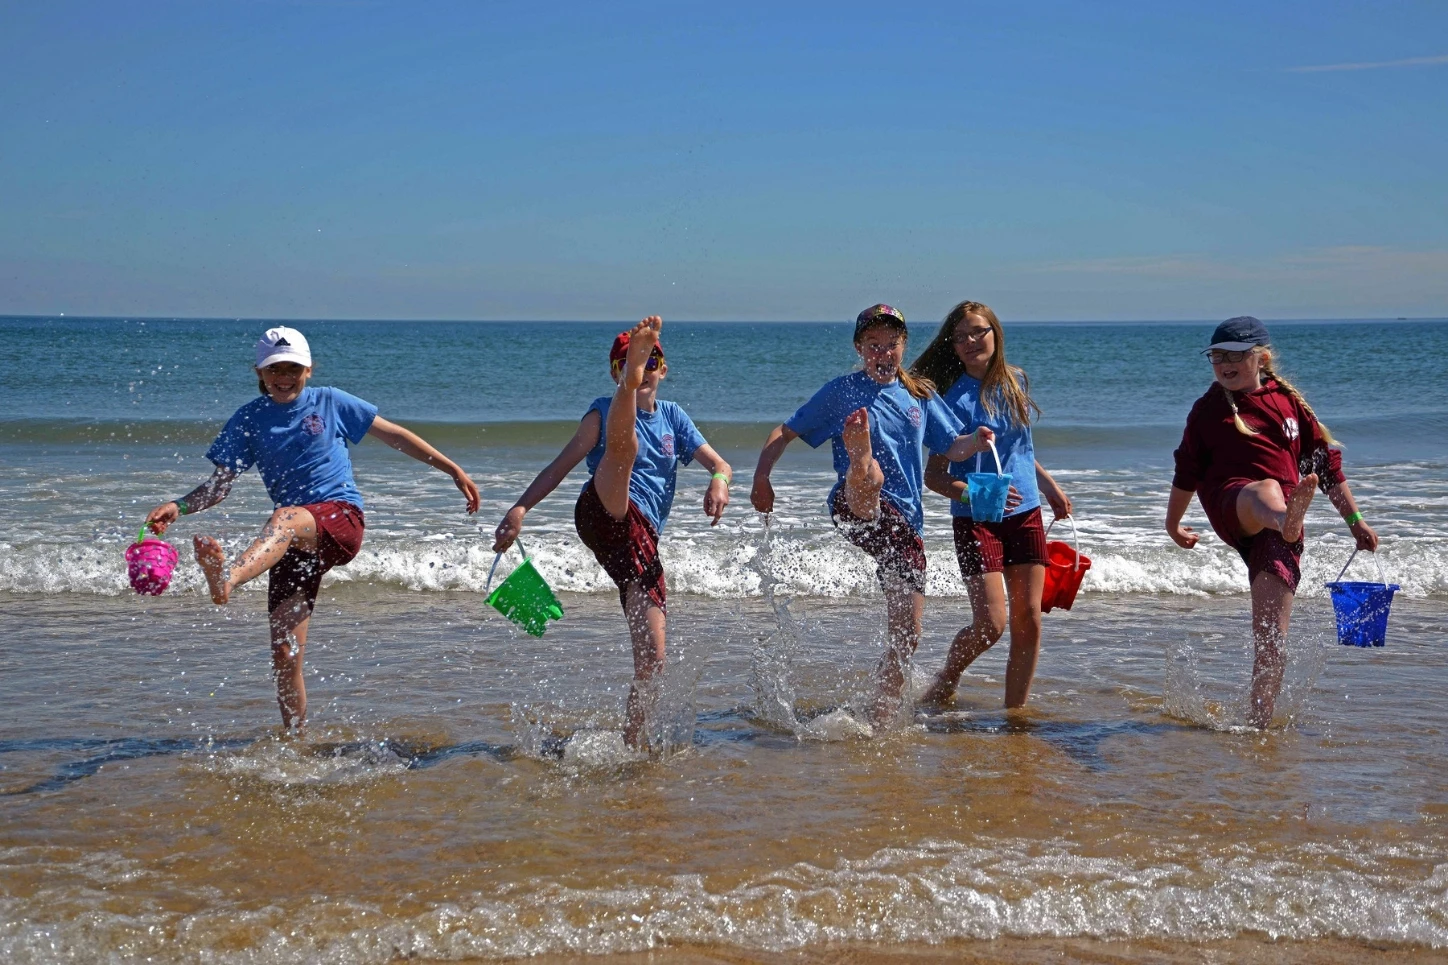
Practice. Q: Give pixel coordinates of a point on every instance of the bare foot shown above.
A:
(213, 563)
(1297, 505)
(856, 437)
(939, 694)
(642, 339)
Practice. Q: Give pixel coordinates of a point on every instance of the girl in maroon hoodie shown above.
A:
(1253, 452)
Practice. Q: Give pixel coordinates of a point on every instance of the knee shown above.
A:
(990, 626)
(1026, 624)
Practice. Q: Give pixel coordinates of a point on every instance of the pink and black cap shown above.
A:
(1240, 334)
(881, 314)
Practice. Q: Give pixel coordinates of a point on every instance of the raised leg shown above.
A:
(289, 526)
(1271, 616)
(646, 626)
(289, 623)
(863, 480)
(1262, 505)
(620, 435)
(988, 610)
(1024, 583)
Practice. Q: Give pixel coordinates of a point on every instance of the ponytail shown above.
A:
(917, 385)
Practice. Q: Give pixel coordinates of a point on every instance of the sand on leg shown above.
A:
(1271, 617)
(988, 610)
(289, 526)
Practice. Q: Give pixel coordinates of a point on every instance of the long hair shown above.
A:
(1003, 385)
(918, 387)
(1264, 354)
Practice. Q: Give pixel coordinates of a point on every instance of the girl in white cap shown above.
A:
(297, 437)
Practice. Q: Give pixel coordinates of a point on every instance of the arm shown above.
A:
(1346, 506)
(939, 480)
(1055, 495)
(583, 441)
(1176, 507)
(204, 496)
(966, 446)
(761, 494)
(716, 496)
(410, 443)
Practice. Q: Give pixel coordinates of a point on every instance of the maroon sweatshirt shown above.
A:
(1288, 445)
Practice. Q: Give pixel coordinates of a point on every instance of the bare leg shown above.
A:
(1271, 615)
(863, 480)
(289, 623)
(903, 610)
(646, 629)
(1261, 505)
(1024, 583)
(289, 526)
(988, 607)
(621, 443)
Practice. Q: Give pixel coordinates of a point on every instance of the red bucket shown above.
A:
(149, 562)
(1065, 569)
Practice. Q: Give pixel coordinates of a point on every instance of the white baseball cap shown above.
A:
(283, 345)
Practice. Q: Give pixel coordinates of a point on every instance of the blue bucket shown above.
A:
(1362, 609)
(986, 492)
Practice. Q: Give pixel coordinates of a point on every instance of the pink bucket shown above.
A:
(149, 562)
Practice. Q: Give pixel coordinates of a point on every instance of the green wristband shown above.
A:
(1354, 519)
(727, 481)
(181, 508)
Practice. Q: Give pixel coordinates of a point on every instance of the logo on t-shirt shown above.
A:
(915, 416)
(313, 424)
(668, 443)
(1290, 427)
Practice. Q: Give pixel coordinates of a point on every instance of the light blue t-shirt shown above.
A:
(900, 425)
(300, 449)
(667, 437)
(1013, 443)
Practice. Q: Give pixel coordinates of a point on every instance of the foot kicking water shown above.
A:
(864, 478)
(212, 560)
(1297, 505)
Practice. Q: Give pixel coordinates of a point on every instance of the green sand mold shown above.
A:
(525, 597)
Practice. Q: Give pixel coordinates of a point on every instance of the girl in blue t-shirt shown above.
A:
(997, 560)
(632, 444)
(877, 421)
(297, 437)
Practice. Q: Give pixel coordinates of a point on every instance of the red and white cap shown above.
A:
(283, 345)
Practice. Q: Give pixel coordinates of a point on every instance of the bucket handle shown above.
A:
(995, 454)
(141, 536)
(1382, 577)
(517, 542)
(1075, 536)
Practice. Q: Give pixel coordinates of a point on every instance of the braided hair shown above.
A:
(1266, 371)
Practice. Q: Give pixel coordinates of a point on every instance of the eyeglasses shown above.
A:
(1218, 357)
(652, 365)
(965, 336)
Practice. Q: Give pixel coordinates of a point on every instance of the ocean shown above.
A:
(460, 794)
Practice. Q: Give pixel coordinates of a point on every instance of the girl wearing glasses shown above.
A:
(1253, 452)
(998, 561)
(633, 443)
(877, 420)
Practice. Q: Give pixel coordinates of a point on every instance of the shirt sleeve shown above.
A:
(354, 415)
(941, 425)
(233, 448)
(687, 437)
(816, 422)
(1191, 455)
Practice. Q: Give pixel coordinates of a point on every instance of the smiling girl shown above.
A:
(297, 437)
(1253, 451)
(1006, 559)
(877, 421)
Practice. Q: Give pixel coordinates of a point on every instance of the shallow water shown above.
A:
(149, 813)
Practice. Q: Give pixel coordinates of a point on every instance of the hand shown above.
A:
(167, 513)
(1060, 504)
(508, 529)
(1366, 538)
(984, 436)
(469, 489)
(761, 494)
(1013, 498)
(1183, 536)
(716, 497)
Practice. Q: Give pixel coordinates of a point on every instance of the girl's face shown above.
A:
(883, 349)
(284, 381)
(974, 344)
(1241, 375)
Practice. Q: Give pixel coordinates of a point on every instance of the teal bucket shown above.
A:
(1361, 609)
(525, 597)
(987, 492)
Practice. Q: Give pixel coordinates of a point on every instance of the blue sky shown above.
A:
(723, 161)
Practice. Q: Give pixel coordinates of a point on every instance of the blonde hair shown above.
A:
(916, 385)
(1268, 372)
(1003, 382)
